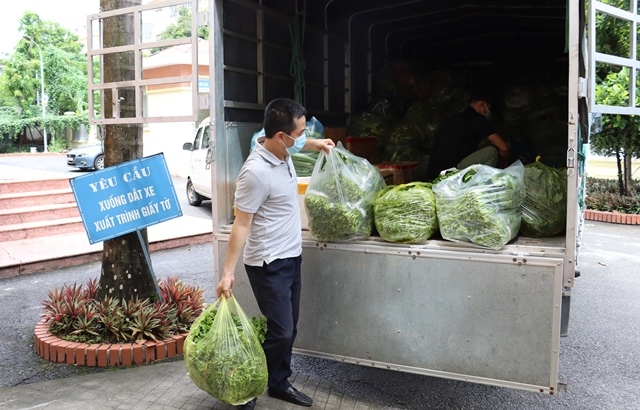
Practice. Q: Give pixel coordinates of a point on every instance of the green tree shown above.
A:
(64, 68)
(65, 75)
(182, 28)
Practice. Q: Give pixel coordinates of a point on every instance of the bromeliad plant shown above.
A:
(74, 314)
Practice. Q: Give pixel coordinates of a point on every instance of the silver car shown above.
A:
(87, 157)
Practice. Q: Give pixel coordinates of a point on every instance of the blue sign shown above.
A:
(203, 85)
(126, 197)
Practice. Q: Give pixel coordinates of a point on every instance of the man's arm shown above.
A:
(237, 239)
(503, 148)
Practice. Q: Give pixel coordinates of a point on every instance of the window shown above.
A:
(196, 142)
(206, 139)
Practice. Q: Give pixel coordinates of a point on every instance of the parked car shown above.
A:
(199, 178)
(87, 157)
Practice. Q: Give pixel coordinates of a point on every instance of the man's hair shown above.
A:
(480, 94)
(280, 115)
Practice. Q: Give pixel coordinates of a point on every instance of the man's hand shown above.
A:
(225, 285)
(319, 144)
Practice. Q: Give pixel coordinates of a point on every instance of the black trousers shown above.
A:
(276, 287)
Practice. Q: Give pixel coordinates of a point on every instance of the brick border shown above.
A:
(54, 349)
(612, 217)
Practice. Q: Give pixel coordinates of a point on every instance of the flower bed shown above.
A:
(57, 350)
(612, 217)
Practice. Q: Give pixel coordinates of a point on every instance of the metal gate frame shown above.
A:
(138, 82)
(595, 57)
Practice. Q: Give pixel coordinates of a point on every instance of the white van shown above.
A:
(198, 168)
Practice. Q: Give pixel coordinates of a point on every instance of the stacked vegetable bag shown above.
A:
(339, 196)
(545, 204)
(481, 205)
(406, 213)
(223, 353)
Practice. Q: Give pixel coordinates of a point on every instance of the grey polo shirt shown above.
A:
(268, 189)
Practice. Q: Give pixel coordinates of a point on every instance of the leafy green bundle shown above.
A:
(406, 213)
(544, 208)
(223, 353)
(481, 205)
(339, 198)
(303, 162)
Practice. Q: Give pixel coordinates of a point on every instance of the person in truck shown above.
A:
(268, 226)
(468, 138)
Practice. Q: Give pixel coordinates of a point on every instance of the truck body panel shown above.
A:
(487, 318)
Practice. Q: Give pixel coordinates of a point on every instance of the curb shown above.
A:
(612, 217)
(56, 350)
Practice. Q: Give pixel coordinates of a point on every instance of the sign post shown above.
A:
(126, 198)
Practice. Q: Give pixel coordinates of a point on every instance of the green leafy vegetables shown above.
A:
(339, 198)
(481, 205)
(304, 162)
(545, 204)
(406, 213)
(223, 353)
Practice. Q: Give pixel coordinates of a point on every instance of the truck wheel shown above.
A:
(192, 196)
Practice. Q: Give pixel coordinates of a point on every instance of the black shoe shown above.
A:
(250, 405)
(292, 396)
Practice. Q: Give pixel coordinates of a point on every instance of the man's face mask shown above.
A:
(487, 113)
(298, 143)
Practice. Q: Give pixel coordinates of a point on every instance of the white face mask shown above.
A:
(487, 115)
(298, 143)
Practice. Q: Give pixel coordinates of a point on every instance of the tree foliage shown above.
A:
(65, 78)
(64, 68)
(182, 28)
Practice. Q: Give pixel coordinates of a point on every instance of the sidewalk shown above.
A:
(155, 387)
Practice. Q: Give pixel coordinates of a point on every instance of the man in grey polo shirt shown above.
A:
(267, 224)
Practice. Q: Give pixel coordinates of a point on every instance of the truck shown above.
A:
(441, 309)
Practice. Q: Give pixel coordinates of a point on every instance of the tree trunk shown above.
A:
(627, 173)
(620, 175)
(125, 273)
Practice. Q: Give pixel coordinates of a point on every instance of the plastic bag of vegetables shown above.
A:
(544, 208)
(223, 353)
(406, 213)
(481, 205)
(339, 196)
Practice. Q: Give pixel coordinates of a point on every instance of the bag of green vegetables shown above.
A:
(481, 205)
(406, 213)
(339, 196)
(544, 208)
(223, 353)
